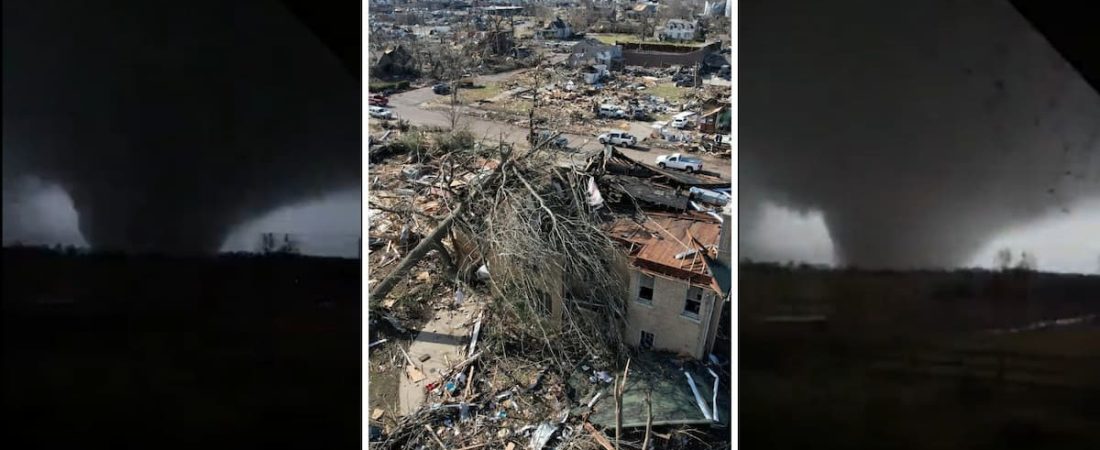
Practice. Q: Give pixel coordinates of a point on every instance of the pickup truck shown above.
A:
(618, 138)
(679, 161)
(380, 112)
(379, 100)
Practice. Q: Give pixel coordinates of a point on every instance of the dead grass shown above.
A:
(668, 91)
(489, 90)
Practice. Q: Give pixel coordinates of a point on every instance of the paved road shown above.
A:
(409, 106)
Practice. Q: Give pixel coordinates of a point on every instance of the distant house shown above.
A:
(558, 29)
(679, 30)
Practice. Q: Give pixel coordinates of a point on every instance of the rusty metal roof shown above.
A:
(654, 244)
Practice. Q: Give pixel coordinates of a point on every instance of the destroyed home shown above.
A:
(679, 30)
(395, 61)
(591, 51)
(557, 29)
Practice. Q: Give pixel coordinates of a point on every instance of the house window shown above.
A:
(693, 302)
(647, 341)
(645, 289)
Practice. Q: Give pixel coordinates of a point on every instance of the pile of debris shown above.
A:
(526, 238)
(575, 102)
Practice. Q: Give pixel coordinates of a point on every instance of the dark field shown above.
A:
(891, 360)
(149, 352)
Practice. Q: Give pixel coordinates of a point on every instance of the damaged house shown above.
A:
(395, 61)
(677, 289)
(592, 51)
(558, 29)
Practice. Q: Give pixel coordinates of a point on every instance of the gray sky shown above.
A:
(922, 131)
(43, 214)
(1068, 243)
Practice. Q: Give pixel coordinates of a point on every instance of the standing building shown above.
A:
(679, 30)
(676, 293)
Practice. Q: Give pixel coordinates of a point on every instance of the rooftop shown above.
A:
(655, 244)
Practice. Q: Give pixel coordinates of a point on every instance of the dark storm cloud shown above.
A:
(919, 128)
(169, 123)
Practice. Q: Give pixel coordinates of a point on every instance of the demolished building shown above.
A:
(557, 29)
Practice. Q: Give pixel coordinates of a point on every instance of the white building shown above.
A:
(679, 30)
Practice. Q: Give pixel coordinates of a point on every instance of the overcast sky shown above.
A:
(1068, 243)
(329, 226)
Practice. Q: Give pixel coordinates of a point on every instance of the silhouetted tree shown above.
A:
(1003, 259)
(1027, 263)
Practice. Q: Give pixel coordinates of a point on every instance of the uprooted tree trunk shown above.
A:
(432, 241)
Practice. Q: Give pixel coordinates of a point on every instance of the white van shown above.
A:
(682, 120)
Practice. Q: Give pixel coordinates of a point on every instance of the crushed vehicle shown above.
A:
(719, 197)
(679, 161)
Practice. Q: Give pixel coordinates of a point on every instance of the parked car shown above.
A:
(611, 111)
(441, 89)
(682, 120)
(558, 141)
(712, 196)
(379, 100)
(679, 161)
(618, 138)
(380, 112)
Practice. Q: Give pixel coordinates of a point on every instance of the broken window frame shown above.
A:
(642, 279)
(689, 300)
(642, 341)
